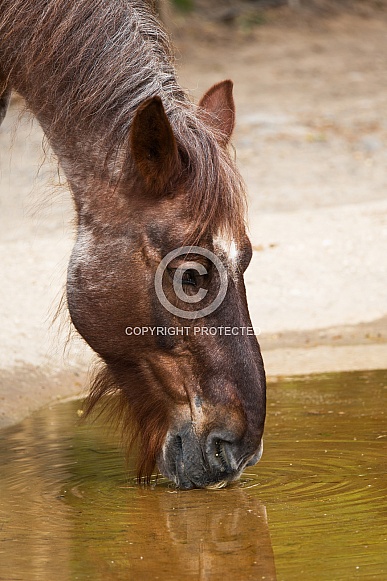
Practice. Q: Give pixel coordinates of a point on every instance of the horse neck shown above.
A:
(83, 72)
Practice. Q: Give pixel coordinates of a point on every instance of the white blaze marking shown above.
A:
(229, 247)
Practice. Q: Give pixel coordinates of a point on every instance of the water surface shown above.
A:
(314, 508)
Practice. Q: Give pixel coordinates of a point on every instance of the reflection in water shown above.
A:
(171, 535)
(69, 510)
(208, 536)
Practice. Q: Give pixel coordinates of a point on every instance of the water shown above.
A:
(314, 508)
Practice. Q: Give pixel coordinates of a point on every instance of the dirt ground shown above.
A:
(311, 143)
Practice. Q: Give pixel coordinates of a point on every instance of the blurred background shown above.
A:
(310, 81)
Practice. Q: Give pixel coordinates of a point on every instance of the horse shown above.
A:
(152, 177)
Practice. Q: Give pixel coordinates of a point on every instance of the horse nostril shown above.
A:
(220, 454)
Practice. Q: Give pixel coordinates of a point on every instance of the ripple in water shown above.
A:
(313, 508)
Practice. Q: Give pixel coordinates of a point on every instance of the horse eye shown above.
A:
(189, 277)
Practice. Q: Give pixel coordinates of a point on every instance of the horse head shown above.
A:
(155, 286)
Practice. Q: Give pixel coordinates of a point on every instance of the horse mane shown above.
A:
(86, 65)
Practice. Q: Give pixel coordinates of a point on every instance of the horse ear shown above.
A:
(219, 102)
(153, 144)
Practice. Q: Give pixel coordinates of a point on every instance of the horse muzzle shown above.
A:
(212, 461)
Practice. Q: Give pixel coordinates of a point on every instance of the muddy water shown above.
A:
(315, 508)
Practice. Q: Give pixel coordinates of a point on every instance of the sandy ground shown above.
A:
(311, 142)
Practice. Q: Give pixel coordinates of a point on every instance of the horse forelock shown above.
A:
(215, 190)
